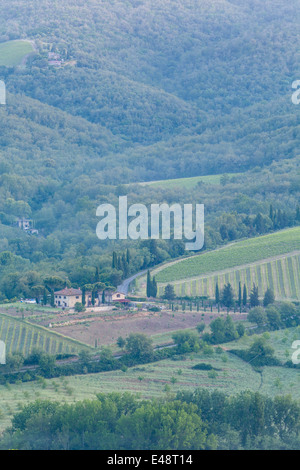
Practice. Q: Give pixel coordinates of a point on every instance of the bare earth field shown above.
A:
(106, 325)
(107, 330)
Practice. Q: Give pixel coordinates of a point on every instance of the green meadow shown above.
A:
(236, 254)
(188, 183)
(12, 52)
(166, 377)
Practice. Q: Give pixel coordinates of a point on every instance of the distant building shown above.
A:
(24, 223)
(53, 56)
(54, 59)
(27, 225)
(68, 297)
(111, 296)
(55, 63)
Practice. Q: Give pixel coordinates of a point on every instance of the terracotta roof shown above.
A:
(69, 292)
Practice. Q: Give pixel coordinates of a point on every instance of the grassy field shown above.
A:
(270, 260)
(12, 52)
(188, 183)
(166, 377)
(236, 254)
(280, 273)
(21, 336)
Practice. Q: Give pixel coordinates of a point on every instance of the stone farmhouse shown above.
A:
(68, 297)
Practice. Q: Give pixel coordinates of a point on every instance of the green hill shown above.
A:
(268, 261)
(148, 91)
(188, 98)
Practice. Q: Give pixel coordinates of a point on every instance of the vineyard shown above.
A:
(282, 274)
(268, 261)
(23, 337)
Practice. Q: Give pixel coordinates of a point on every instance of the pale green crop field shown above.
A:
(281, 274)
(187, 183)
(165, 378)
(12, 52)
(236, 254)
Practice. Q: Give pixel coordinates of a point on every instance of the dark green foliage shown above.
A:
(222, 331)
(169, 293)
(186, 341)
(227, 296)
(136, 107)
(259, 354)
(217, 294)
(139, 346)
(245, 296)
(254, 296)
(257, 315)
(151, 287)
(192, 420)
(269, 297)
(203, 366)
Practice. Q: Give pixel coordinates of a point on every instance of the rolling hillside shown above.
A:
(268, 261)
(186, 97)
(22, 337)
(281, 273)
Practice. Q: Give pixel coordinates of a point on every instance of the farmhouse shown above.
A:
(111, 296)
(67, 297)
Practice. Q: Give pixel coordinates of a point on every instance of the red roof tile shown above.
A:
(68, 292)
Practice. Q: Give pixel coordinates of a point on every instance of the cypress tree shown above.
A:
(217, 294)
(149, 284)
(269, 297)
(254, 299)
(45, 299)
(240, 295)
(52, 301)
(154, 287)
(114, 261)
(83, 295)
(245, 296)
(227, 296)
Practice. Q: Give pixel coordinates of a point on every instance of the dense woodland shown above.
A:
(150, 90)
(201, 420)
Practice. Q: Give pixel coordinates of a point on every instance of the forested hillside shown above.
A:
(204, 83)
(145, 90)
